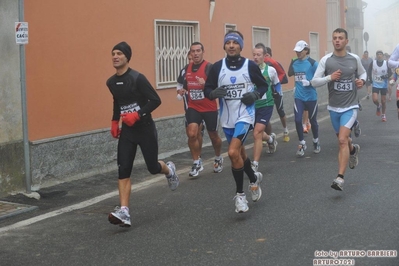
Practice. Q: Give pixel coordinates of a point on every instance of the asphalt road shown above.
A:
(298, 219)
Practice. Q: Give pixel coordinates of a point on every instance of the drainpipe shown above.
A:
(23, 102)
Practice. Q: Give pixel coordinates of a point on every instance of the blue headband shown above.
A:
(234, 37)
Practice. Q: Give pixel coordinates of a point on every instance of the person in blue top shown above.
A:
(305, 97)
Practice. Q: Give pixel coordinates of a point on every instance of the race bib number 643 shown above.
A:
(343, 85)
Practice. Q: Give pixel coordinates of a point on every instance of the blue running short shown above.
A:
(344, 119)
(240, 131)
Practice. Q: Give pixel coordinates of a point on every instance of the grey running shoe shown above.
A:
(254, 188)
(301, 150)
(173, 181)
(254, 166)
(356, 129)
(353, 159)
(316, 147)
(273, 145)
(218, 165)
(241, 203)
(196, 169)
(338, 184)
(119, 217)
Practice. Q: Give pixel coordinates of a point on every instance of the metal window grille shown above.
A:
(173, 40)
(261, 35)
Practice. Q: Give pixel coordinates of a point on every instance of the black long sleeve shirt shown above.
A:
(133, 92)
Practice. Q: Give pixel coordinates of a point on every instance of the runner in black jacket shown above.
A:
(134, 100)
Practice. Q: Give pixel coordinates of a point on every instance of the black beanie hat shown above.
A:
(125, 49)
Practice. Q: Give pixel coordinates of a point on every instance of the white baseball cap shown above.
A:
(299, 46)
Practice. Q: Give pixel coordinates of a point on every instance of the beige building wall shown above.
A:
(69, 51)
(68, 60)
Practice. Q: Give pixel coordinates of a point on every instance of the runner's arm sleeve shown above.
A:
(116, 111)
(361, 72)
(291, 69)
(319, 78)
(146, 88)
(394, 59)
(211, 82)
(369, 71)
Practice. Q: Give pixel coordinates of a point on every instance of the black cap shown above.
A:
(125, 49)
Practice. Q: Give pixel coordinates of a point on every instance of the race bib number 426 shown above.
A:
(235, 91)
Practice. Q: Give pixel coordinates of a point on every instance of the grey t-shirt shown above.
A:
(342, 93)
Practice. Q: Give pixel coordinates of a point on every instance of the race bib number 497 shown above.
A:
(235, 91)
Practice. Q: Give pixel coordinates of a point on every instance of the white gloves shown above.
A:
(391, 82)
(305, 82)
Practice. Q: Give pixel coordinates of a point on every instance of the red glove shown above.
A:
(130, 118)
(115, 131)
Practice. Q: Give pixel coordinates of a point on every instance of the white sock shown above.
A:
(315, 140)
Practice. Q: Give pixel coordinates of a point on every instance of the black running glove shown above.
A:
(219, 92)
(250, 97)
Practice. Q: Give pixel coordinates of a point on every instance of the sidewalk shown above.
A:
(8, 209)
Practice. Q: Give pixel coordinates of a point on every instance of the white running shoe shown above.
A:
(338, 184)
(173, 181)
(316, 147)
(196, 168)
(254, 166)
(301, 150)
(356, 129)
(119, 217)
(217, 165)
(254, 188)
(241, 203)
(273, 145)
(354, 158)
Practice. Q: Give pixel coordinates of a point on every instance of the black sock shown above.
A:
(341, 176)
(353, 151)
(238, 175)
(248, 170)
